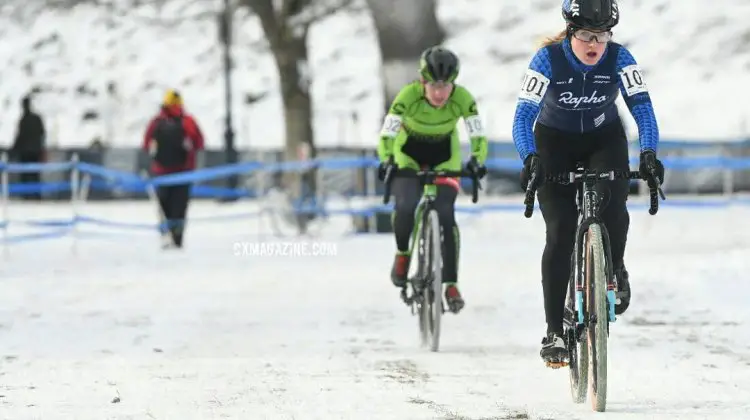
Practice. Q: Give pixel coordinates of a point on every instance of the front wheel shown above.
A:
(577, 343)
(434, 294)
(291, 216)
(598, 311)
(420, 291)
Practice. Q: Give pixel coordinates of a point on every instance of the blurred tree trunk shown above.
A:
(285, 24)
(288, 42)
(405, 29)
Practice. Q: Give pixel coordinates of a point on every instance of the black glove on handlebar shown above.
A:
(651, 169)
(531, 165)
(476, 168)
(383, 168)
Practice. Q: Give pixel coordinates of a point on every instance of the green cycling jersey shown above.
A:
(411, 118)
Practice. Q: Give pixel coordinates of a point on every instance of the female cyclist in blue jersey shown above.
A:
(570, 89)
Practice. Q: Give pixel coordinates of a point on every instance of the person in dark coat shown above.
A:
(173, 139)
(29, 144)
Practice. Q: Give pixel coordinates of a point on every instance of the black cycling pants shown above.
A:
(603, 149)
(407, 193)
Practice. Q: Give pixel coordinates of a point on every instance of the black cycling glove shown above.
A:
(384, 166)
(651, 169)
(476, 168)
(531, 166)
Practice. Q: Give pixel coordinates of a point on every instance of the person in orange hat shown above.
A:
(173, 139)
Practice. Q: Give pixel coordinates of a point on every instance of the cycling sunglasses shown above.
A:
(588, 36)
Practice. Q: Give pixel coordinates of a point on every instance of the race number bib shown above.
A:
(474, 126)
(534, 86)
(391, 126)
(632, 80)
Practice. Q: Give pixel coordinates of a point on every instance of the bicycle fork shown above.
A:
(611, 298)
(416, 242)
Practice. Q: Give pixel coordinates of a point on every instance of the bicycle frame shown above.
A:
(588, 208)
(423, 278)
(589, 214)
(429, 194)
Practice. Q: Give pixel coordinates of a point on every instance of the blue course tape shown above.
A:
(126, 181)
(680, 164)
(109, 179)
(206, 174)
(18, 168)
(110, 174)
(47, 223)
(111, 223)
(36, 236)
(37, 188)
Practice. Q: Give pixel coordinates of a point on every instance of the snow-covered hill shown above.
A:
(696, 58)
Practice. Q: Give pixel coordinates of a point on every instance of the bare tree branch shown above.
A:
(291, 8)
(268, 20)
(263, 8)
(319, 10)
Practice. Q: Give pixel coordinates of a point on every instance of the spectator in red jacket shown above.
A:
(173, 139)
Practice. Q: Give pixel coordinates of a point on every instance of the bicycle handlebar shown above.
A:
(568, 178)
(425, 174)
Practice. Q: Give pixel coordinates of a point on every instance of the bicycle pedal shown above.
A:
(406, 298)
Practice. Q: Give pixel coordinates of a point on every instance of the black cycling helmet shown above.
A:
(438, 64)
(600, 15)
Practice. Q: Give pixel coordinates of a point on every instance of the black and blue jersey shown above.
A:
(560, 92)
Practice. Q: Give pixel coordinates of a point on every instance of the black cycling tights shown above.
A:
(406, 193)
(603, 149)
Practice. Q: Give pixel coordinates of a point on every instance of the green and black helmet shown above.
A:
(438, 64)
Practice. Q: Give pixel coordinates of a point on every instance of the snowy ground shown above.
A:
(207, 334)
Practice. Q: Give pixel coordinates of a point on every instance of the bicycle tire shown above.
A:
(598, 328)
(423, 270)
(578, 351)
(435, 292)
(284, 220)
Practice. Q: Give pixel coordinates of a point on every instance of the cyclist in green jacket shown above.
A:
(420, 131)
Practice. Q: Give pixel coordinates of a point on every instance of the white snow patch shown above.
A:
(695, 60)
